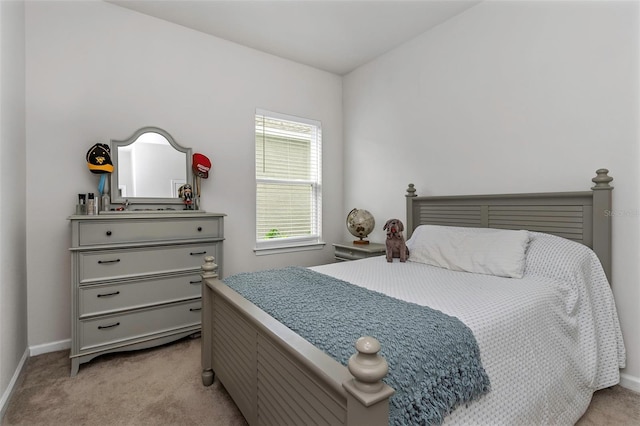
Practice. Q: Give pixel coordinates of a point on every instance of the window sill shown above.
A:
(289, 248)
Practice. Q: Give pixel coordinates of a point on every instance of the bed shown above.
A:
(546, 341)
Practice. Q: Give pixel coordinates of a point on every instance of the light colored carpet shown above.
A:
(614, 406)
(162, 386)
(159, 386)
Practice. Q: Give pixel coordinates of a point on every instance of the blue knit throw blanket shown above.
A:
(434, 360)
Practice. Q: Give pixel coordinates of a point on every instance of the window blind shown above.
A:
(288, 180)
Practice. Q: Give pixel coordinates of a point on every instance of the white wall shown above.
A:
(96, 71)
(507, 97)
(13, 275)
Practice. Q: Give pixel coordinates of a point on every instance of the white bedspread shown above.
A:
(547, 341)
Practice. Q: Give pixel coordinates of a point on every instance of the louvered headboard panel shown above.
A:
(450, 215)
(583, 216)
(567, 221)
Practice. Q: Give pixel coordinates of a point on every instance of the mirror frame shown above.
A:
(147, 202)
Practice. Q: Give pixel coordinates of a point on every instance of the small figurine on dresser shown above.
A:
(186, 193)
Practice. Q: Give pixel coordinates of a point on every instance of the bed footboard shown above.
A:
(275, 376)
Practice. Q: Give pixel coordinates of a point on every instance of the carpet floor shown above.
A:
(162, 386)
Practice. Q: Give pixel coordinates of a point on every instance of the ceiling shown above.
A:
(333, 35)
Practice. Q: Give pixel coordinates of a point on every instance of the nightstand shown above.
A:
(351, 251)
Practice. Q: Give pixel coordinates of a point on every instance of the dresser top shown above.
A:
(145, 214)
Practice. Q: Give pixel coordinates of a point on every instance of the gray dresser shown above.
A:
(136, 279)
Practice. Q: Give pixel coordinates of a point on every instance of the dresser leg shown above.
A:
(75, 366)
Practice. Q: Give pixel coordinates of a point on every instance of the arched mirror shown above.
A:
(150, 167)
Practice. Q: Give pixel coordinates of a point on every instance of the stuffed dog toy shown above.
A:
(396, 246)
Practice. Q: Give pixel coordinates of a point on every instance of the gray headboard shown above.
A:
(583, 216)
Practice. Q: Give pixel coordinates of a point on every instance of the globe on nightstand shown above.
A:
(360, 223)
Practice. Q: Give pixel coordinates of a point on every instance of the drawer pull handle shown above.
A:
(108, 261)
(195, 282)
(199, 228)
(102, 327)
(197, 253)
(109, 294)
(108, 233)
(194, 309)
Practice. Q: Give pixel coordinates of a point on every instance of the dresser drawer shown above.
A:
(116, 328)
(131, 263)
(103, 299)
(96, 232)
(349, 251)
(347, 254)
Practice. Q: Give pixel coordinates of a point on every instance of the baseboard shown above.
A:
(4, 401)
(630, 382)
(50, 347)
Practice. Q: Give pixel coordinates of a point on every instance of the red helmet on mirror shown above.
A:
(201, 165)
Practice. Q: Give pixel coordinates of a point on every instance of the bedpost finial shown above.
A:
(209, 269)
(602, 180)
(368, 368)
(411, 191)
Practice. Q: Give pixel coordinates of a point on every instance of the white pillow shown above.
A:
(479, 250)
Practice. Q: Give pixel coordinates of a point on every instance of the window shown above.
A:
(288, 182)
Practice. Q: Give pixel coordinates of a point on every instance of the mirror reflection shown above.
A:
(150, 167)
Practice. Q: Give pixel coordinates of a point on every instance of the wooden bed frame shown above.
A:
(276, 377)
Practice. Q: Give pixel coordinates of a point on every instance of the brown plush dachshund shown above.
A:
(396, 246)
